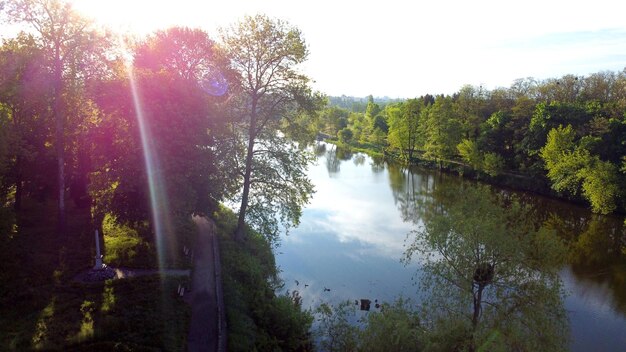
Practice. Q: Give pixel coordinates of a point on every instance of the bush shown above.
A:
(123, 246)
(345, 135)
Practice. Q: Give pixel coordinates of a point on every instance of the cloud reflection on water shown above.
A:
(352, 237)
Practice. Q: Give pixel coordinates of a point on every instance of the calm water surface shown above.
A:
(352, 235)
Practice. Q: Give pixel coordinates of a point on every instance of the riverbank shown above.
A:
(536, 184)
(257, 317)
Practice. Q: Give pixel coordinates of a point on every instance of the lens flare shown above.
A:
(158, 196)
(214, 84)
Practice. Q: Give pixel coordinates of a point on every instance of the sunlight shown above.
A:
(143, 16)
(41, 330)
(86, 326)
(108, 297)
(158, 198)
(137, 17)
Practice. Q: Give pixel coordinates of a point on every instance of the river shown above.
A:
(352, 236)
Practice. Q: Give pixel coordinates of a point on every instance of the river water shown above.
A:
(353, 233)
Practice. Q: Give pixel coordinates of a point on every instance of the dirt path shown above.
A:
(206, 313)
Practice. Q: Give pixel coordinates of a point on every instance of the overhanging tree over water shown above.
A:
(266, 53)
(490, 277)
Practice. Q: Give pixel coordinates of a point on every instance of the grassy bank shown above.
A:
(42, 308)
(257, 317)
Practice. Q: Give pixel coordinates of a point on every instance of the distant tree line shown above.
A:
(568, 133)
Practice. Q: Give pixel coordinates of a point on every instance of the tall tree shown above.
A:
(65, 36)
(443, 131)
(185, 121)
(265, 53)
(404, 127)
(24, 93)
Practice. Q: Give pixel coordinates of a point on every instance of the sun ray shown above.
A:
(159, 204)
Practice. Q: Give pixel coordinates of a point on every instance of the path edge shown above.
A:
(222, 336)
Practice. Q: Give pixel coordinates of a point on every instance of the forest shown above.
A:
(564, 136)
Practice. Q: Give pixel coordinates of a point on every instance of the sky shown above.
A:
(404, 49)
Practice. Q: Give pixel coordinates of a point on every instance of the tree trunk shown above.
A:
(60, 143)
(478, 297)
(241, 222)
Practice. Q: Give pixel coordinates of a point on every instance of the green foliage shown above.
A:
(443, 131)
(123, 246)
(571, 166)
(488, 272)
(509, 130)
(600, 186)
(190, 53)
(7, 221)
(358, 125)
(139, 313)
(279, 186)
(24, 124)
(404, 123)
(468, 150)
(7, 216)
(258, 319)
(493, 164)
(335, 329)
(265, 53)
(333, 119)
(345, 135)
(177, 114)
(72, 52)
(372, 109)
(490, 163)
(395, 328)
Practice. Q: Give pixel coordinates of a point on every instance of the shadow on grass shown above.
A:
(41, 309)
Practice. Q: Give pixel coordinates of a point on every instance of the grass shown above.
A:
(133, 314)
(128, 247)
(42, 308)
(125, 247)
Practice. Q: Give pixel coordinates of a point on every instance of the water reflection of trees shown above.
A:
(378, 165)
(334, 156)
(491, 280)
(319, 149)
(597, 251)
(596, 243)
(412, 191)
(358, 159)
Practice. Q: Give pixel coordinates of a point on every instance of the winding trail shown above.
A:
(207, 331)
